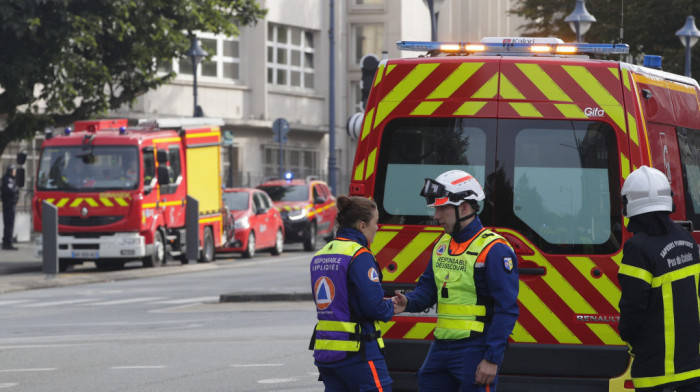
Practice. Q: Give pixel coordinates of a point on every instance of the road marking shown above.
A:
(189, 300)
(124, 301)
(277, 380)
(13, 301)
(8, 384)
(137, 367)
(258, 365)
(55, 303)
(28, 370)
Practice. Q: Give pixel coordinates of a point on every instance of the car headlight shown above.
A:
(241, 223)
(297, 214)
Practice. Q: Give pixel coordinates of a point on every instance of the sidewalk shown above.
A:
(19, 261)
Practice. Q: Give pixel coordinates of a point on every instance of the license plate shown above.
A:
(85, 254)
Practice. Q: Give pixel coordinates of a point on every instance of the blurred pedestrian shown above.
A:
(659, 273)
(9, 194)
(346, 283)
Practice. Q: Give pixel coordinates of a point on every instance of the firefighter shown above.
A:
(9, 193)
(346, 283)
(473, 277)
(658, 277)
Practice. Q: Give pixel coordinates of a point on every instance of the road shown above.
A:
(163, 333)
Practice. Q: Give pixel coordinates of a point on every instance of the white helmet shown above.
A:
(645, 190)
(451, 187)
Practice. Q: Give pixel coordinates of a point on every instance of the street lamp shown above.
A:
(196, 54)
(434, 8)
(580, 20)
(689, 35)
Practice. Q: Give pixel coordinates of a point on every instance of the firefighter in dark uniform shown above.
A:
(659, 317)
(9, 194)
(473, 278)
(346, 283)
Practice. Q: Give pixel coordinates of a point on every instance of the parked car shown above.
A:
(252, 222)
(308, 209)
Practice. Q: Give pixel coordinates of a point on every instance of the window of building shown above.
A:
(368, 3)
(290, 56)
(367, 39)
(301, 162)
(224, 63)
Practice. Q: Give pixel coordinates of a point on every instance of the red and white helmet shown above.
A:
(451, 187)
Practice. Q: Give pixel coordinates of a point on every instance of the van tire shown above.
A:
(250, 246)
(310, 242)
(208, 254)
(279, 244)
(157, 258)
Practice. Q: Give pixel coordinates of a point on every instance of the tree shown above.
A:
(649, 26)
(66, 60)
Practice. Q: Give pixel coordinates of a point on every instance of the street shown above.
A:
(163, 333)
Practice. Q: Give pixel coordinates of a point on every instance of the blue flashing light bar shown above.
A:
(519, 45)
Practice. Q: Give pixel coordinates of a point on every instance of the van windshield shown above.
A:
(554, 181)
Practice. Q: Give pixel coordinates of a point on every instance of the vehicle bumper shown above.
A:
(239, 242)
(296, 230)
(115, 246)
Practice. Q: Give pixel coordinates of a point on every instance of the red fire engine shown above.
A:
(551, 134)
(121, 191)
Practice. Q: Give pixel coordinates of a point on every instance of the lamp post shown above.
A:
(689, 35)
(196, 54)
(580, 20)
(434, 8)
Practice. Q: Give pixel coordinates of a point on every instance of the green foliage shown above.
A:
(66, 60)
(649, 26)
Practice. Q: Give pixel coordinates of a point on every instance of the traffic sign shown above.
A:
(280, 128)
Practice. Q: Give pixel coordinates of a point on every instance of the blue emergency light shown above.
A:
(67, 131)
(288, 176)
(122, 130)
(514, 46)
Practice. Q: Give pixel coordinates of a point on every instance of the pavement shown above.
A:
(21, 270)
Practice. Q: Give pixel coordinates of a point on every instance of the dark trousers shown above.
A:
(8, 222)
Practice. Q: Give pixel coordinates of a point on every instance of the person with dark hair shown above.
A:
(659, 274)
(346, 284)
(9, 194)
(473, 277)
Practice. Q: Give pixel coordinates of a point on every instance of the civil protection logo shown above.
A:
(508, 263)
(441, 249)
(324, 292)
(373, 275)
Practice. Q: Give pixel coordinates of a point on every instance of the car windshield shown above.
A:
(74, 168)
(236, 201)
(287, 192)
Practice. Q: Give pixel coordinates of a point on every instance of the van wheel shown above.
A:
(250, 249)
(158, 256)
(207, 255)
(279, 244)
(310, 242)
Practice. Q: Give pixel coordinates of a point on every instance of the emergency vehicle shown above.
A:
(550, 133)
(121, 191)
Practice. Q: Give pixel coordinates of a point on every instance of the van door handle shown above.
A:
(532, 271)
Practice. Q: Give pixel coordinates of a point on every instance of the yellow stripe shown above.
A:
(426, 108)
(544, 83)
(209, 220)
(675, 275)
(205, 134)
(521, 335)
(570, 110)
(62, 202)
(401, 90)
(664, 84)
(50, 201)
(669, 327)
(626, 79)
(648, 382)
(606, 333)
(380, 73)
(624, 165)
(370, 163)
(431, 228)
(106, 201)
(455, 80)
(367, 124)
(385, 326)
(91, 202)
(508, 90)
(525, 109)
(359, 170)
(386, 227)
(615, 72)
(409, 253)
(636, 272)
(488, 90)
(76, 202)
(600, 94)
(632, 123)
(603, 284)
(121, 201)
(545, 315)
(420, 331)
(469, 108)
(381, 239)
(171, 203)
(149, 205)
(166, 140)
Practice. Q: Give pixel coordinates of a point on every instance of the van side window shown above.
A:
(419, 148)
(689, 146)
(149, 166)
(564, 181)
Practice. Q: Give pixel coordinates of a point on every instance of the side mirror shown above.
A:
(163, 175)
(19, 177)
(319, 200)
(162, 155)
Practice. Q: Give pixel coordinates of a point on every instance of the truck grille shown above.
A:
(89, 221)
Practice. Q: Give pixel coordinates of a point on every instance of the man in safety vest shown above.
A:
(659, 281)
(473, 277)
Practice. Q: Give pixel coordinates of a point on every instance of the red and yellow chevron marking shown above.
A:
(106, 201)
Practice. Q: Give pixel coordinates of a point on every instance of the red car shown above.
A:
(308, 209)
(252, 222)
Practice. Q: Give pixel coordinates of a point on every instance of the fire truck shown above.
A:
(121, 191)
(551, 132)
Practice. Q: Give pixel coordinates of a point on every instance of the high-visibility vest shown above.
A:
(338, 333)
(459, 310)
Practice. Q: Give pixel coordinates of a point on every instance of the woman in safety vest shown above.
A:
(473, 278)
(346, 283)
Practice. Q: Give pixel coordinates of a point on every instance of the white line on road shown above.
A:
(189, 300)
(55, 303)
(124, 301)
(28, 370)
(14, 301)
(137, 367)
(258, 365)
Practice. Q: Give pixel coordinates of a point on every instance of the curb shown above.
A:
(265, 297)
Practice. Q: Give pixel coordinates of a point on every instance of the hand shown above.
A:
(485, 372)
(400, 302)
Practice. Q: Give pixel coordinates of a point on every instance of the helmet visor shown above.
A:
(432, 190)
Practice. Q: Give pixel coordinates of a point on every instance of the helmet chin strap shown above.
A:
(457, 226)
